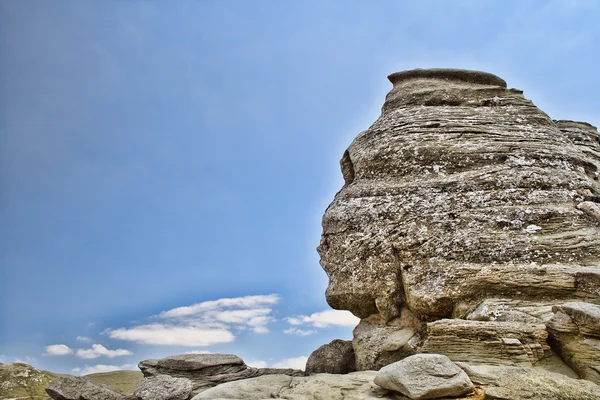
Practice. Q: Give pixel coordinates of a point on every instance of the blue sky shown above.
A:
(158, 157)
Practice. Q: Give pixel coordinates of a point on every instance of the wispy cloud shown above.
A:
(58, 350)
(102, 368)
(300, 332)
(256, 363)
(204, 324)
(325, 319)
(98, 350)
(83, 339)
(199, 352)
(295, 363)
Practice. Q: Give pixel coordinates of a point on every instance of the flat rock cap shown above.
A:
(461, 75)
(187, 362)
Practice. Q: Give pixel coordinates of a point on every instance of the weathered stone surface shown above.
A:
(587, 139)
(336, 357)
(522, 383)
(377, 343)
(425, 376)
(353, 386)
(163, 387)
(487, 342)
(575, 335)
(207, 370)
(79, 388)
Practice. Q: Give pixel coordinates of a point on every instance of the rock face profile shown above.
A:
(468, 218)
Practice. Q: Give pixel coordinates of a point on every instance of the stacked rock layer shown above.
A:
(467, 214)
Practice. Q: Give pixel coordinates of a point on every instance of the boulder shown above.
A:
(425, 376)
(336, 357)
(80, 388)
(163, 387)
(207, 370)
(523, 383)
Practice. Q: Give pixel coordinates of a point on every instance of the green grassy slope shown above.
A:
(24, 382)
(123, 381)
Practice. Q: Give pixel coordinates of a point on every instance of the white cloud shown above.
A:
(300, 332)
(325, 319)
(171, 335)
(236, 302)
(102, 368)
(295, 363)
(98, 350)
(204, 324)
(199, 352)
(256, 363)
(58, 350)
(83, 339)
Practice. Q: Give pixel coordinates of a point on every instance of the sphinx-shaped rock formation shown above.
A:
(467, 214)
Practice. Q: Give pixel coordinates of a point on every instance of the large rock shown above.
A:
(163, 387)
(462, 196)
(522, 383)
(207, 370)
(336, 357)
(425, 376)
(79, 388)
(353, 386)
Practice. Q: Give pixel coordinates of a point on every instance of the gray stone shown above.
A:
(207, 370)
(163, 387)
(522, 383)
(336, 357)
(353, 386)
(79, 388)
(425, 376)
(377, 343)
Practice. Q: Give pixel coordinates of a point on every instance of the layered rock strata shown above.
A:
(207, 370)
(467, 207)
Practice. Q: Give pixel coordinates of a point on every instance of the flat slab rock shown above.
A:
(79, 388)
(425, 376)
(353, 386)
(207, 370)
(163, 387)
(523, 383)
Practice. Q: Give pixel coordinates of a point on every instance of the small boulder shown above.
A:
(163, 387)
(79, 388)
(336, 357)
(425, 376)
